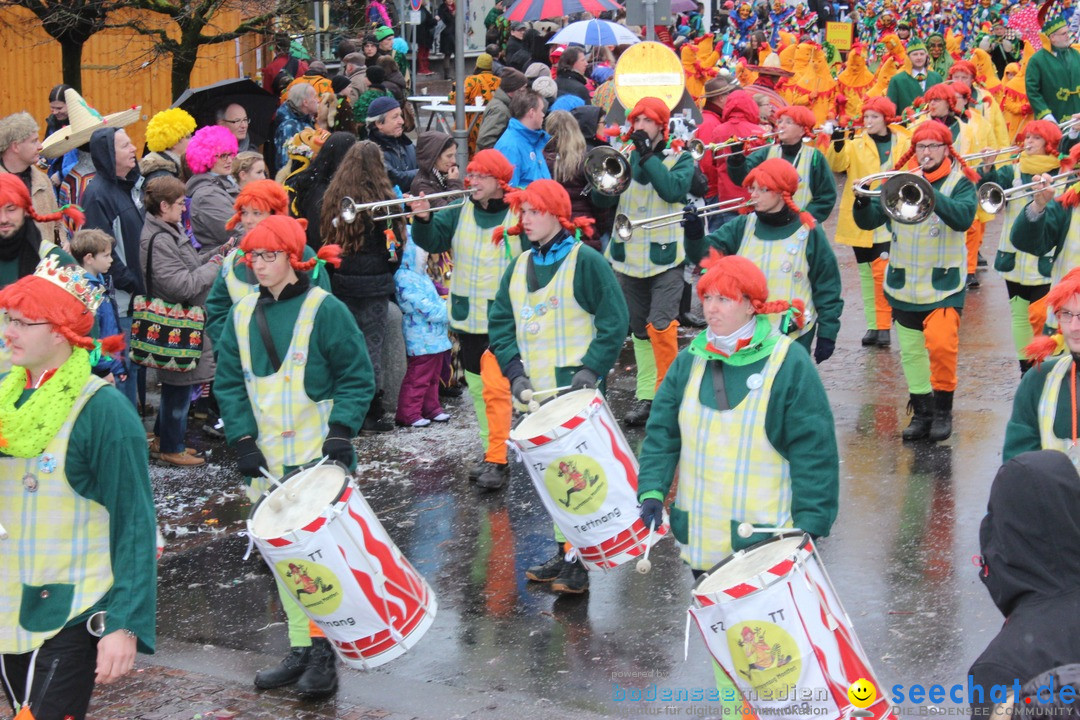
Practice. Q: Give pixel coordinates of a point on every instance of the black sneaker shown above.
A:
(883, 338)
(639, 413)
(972, 280)
(870, 338)
(573, 580)
(477, 469)
(548, 571)
(320, 677)
(286, 672)
(376, 425)
(494, 476)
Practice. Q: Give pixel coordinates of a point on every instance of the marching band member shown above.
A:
(1027, 277)
(558, 320)
(871, 151)
(817, 188)
(790, 248)
(479, 264)
(906, 86)
(975, 135)
(294, 382)
(963, 71)
(744, 417)
(649, 267)
(924, 281)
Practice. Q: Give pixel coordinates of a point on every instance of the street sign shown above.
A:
(839, 35)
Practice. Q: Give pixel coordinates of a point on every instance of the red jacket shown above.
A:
(271, 71)
(740, 119)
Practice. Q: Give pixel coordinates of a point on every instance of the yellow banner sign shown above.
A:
(839, 35)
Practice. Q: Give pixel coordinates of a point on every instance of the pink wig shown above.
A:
(206, 145)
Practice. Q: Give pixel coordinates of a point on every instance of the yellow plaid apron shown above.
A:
(649, 252)
(57, 565)
(927, 261)
(238, 289)
(44, 249)
(1048, 403)
(804, 162)
(552, 330)
(1025, 266)
(785, 266)
(729, 472)
(479, 265)
(292, 426)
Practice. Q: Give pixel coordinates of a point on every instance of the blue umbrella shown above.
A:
(592, 33)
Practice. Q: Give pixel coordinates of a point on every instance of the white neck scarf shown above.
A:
(726, 343)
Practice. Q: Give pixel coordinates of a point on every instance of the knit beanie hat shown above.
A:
(881, 105)
(265, 195)
(915, 44)
(167, 128)
(653, 108)
(493, 163)
(376, 75)
(382, 33)
(13, 192)
(484, 61)
(736, 277)
(535, 70)
(206, 145)
(512, 79)
(546, 86)
(546, 196)
(381, 106)
(1048, 131)
(800, 116)
(282, 233)
(781, 177)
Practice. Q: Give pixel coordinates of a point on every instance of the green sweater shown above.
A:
(436, 235)
(596, 291)
(1022, 432)
(337, 366)
(1048, 73)
(107, 463)
(822, 183)
(824, 272)
(1047, 232)
(672, 185)
(798, 423)
(219, 302)
(904, 88)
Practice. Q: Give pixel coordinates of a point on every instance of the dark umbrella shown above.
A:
(205, 101)
(526, 10)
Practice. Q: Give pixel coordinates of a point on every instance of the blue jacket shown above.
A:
(425, 322)
(524, 148)
(108, 321)
(287, 122)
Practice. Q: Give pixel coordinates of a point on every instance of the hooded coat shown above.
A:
(493, 123)
(212, 197)
(425, 322)
(429, 146)
(739, 118)
(114, 205)
(1031, 569)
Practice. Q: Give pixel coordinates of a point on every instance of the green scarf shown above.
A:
(761, 345)
(27, 429)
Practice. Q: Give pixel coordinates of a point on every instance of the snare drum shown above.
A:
(326, 546)
(586, 476)
(771, 621)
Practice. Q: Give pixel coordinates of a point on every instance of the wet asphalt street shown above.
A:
(899, 554)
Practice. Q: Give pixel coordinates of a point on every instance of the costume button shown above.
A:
(44, 594)
(30, 482)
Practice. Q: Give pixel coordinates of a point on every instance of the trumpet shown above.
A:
(608, 169)
(625, 227)
(350, 209)
(985, 154)
(697, 148)
(993, 197)
(1068, 124)
(905, 197)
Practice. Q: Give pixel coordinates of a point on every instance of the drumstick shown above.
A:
(643, 565)
(275, 502)
(3, 532)
(528, 396)
(747, 529)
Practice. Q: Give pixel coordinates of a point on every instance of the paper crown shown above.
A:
(1051, 16)
(71, 279)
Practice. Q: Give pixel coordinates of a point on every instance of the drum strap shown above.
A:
(718, 385)
(264, 332)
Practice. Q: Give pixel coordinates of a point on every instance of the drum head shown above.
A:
(303, 495)
(743, 566)
(552, 414)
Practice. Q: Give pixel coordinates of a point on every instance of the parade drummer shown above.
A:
(873, 150)
(479, 264)
(817, 188)
(558, 320)
(294, 382)
(744, 417)
(257, 201)
(1027, 276)
(649, 266)
(78, 564)
(924, 281)
(787, 245)
(1044, 414)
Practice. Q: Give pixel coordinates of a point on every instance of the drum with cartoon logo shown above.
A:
(325, 545)
(586, 476)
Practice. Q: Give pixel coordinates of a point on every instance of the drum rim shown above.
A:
(521, 432)
(805, 541)
(345, 481)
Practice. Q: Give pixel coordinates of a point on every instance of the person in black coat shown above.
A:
(518, 54)
(570, 74)
(446, 37)
(387, 131)
(425, 39)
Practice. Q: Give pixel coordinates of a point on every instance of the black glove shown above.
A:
(824, 349)
(249, 457)
(584, 378)
(338, 445)
(520, 384)
(838, 133)
(652, 513)
(642, 142)
(693, 223)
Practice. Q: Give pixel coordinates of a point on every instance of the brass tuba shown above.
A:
(905, 197)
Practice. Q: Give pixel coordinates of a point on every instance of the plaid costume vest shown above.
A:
(479, 265)
(648, 252)
(804, 162)
(785, 266)
(1048, 402)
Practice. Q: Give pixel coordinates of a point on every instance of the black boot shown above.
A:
(922, 409)
(573, 580)
(494, 476)
(883, 338)
(375, 421)
(870, 338)
(639, 414)
(941, 428)
(1025, 365)
(286, 672)
(320, 677)
(549, 570)
(477, 469)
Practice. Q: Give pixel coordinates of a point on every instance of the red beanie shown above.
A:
(799, 115)
(653, 108)
(546, 196)
(493, 163)
(286, 234)
(779, 176)
(963, 66)
(882, 105)
(265, 195)
(736, 277)
(1045, 129)
(14, 192)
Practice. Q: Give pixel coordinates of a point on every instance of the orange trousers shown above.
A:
(973, 239)
(497, 406)
(929, 345)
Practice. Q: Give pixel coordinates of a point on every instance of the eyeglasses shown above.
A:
(239, 121)
(267, 256)
(223, 156)
(922, 147)
(21, 324)
(1065, 317)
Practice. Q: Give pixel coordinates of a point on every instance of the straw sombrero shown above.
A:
(83, 121)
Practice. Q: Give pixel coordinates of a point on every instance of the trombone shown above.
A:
(625, 227)
(993, 197)
(986, 154)
(906, 198)
(350, 209)
(608, 170)
(697, 148)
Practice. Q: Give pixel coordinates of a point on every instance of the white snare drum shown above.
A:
(586, 476)
(770, 619)
(323, 542)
